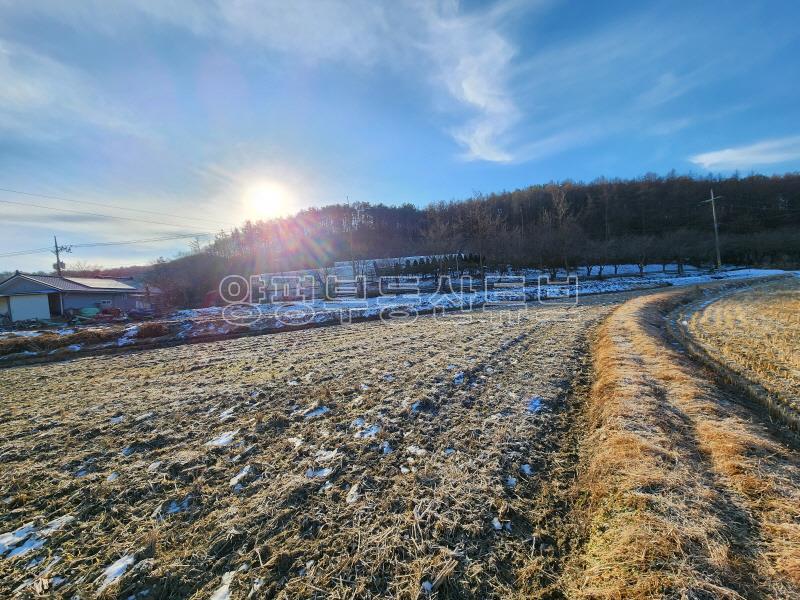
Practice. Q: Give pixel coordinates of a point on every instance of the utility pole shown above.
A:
(716, 229)
(57, 250)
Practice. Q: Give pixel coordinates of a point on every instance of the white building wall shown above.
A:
(29, 306)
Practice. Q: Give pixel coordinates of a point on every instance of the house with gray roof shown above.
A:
(24, 296)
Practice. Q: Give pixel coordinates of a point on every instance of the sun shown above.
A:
(267, 200)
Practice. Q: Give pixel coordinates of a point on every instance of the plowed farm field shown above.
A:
(374, 460)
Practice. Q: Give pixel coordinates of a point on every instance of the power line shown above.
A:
(21, 252)
(104, 244)
(114, 206)
(83, 212)
(158, 239)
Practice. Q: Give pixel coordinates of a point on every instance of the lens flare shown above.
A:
(267, 200)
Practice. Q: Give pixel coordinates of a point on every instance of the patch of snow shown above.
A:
(227, 414)
(511, 482)
(240, 476)
(498, 526)
(223, 439)
(10, 542)
(176, 507)
(74, 347)
(24, 333)
(116, 570)
(326, 455)
(385, 447)
(116, 420)
(417, 451)
(112, 477)
(316, 412)
(352, 494)
(459, 378)
(526, 469)
(317, 473)
(427, 587)
(448, 451)
(534, 404)
(128, 336)
(369, 432)
(223, 592)
(56, 524)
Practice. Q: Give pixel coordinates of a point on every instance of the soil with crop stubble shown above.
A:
(395, 459)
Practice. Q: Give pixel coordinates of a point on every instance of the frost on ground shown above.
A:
(358, 461)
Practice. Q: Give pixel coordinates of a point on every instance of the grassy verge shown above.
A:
(752, 337)
(685, 494)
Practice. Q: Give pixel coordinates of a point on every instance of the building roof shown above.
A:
(59, 283)
(76, 284)
(101, 283)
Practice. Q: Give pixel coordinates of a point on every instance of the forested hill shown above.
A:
(646, 220)
(651, 205)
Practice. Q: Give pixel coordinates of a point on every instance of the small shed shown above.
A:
(24, 296)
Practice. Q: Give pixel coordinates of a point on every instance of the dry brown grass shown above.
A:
(755, 333)
(687, 495)
(47, 341)
(152, 330)
(423, 512)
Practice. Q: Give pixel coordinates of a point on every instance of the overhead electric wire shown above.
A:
(158, 239)
(22, 252)
(83, 212)
(114, 206)
(104, 244)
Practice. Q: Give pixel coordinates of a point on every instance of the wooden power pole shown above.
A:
(57, 251)
(716, 228)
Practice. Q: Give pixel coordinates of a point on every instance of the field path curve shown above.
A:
(688, 492)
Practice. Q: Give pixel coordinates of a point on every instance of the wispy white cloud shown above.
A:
(43, 99)
(474, 64)
(765, 152)
(463, 56)
(667, 87)
(501, 97)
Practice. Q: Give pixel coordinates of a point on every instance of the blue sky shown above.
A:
(212, 112)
